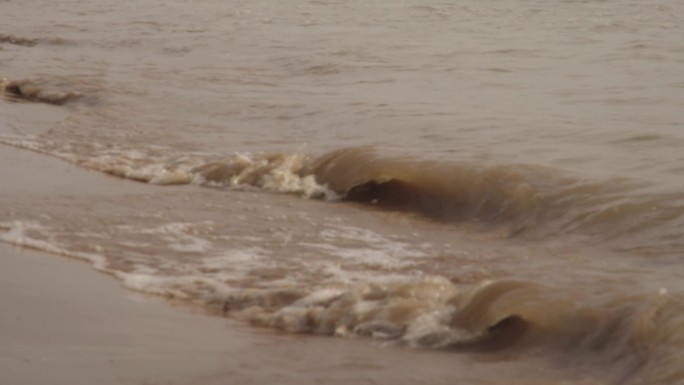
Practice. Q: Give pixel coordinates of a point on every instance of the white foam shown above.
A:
(163, 166)
(365, 247)
(16, 234)
(180, 287)
(167, 177)
(392, 247)
(181, 236)
(317, 297)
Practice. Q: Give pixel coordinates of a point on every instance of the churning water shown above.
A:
(490, 178)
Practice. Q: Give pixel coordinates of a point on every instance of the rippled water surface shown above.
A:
(501, 180)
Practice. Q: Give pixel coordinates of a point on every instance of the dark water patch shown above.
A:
(425, 8)
(17, 40)
(513, 51)
(176, 51)
(27, 90)
(323, 69)
(298, 67)
(48, 91)
(641, 138)
(497, 69)
(30, 42)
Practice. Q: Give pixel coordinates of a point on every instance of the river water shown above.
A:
(493, 179)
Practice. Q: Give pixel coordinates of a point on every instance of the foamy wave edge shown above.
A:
(428, 312)
(276, 172)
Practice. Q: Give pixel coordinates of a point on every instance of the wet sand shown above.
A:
(63, 324)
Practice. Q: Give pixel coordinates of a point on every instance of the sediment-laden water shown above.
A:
(497, 180)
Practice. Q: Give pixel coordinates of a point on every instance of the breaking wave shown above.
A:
(515, 316)
(636, 334)
(520, 199)
(515, 200)
(640, 332)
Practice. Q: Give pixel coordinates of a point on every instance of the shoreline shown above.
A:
(65, 323)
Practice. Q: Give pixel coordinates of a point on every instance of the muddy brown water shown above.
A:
(502, 181)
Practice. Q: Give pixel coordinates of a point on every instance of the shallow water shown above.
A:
(499, 180)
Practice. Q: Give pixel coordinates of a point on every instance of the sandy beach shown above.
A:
(63, 324)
